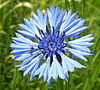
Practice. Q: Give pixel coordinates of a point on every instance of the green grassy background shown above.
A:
(12, 13)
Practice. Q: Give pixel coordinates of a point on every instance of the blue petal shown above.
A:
(40, 16)
(86, 38)
(76, 31)
(27, 34)
(20, 51)
(49, 16)
(70, 20)
(33, 62)
(60, 71)
(25, 28)
(35, 23)
(65, 21)
(76, 64)
(66, 65)
(83, 41)
(56, 69)
(44, 69)
(18, 46)
(75, 22)
(52, 10)
(33, 71)
(46, 72)
(57, 13)
(23, 40)
(84, 44)
(39, 21)
(26, 61)
(27, 22)
(36, 67)
(36, 18)
(31, 26)
(29, 70)
(25, 56)
(41, 70)
(70, 63)
(81, 48)
(53, 72)
(32, 66)
(16, 56)
(21, 57)
(45, 22)
(59, 19)
(49, 81)
(78, 54)
(75, 27)
(18, 65)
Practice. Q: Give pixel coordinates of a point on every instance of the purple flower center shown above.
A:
(51, 42)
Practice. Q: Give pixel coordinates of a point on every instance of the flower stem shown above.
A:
(60, 85)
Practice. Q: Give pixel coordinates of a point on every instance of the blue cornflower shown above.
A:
(45, 45)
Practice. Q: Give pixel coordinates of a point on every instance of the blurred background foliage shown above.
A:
(12, 13)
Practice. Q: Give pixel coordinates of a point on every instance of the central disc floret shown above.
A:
(51, 42)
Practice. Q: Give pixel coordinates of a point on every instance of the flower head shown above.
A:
(52, 44)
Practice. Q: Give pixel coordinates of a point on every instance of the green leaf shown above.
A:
(4, 4)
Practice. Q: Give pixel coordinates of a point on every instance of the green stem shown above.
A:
(67, 4)
(60, 85)
(66, 84)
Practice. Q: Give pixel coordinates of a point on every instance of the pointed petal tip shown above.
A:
(57, 6)
(84, 66)
(65, 9)
(25, 74)
(66, 80)
(20, 25)
(31, 77)
(86, 60)
(33, 14)
(91, 34)
(12, 38)
(17, 34)
(70, 10)
(92, 54)
(17, 65)
(18, 30)
(93, 38)
(38, 78)
(11, 52)
(52, 6)
(86, 27)
(92, 50)
(19, 69)
(13, 58)
(83, 20)
(38, 10)
(25, 19)
(49, 81)
(10, 45)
